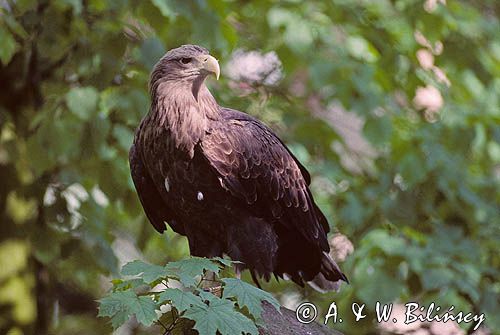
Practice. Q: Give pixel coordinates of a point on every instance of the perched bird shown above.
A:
(225, 180)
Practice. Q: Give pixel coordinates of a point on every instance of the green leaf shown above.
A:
(375, 284)
(124, 136)
(82, 101)
(494, 151)
(46, 244)
(164, 7)
(112, 306)
(151, 50)
(207, 296)
(412, 169)
(119, 306)
(248, 295)
(150, 272)
(181, 300)
(121, 285)
(378, 129)
(187, 269)
(15, 26)
(224, 261)
(473, 84)
(437, 278)
(361, 49)
(9, 46)
(298, 33)
(220, 316)
(390, 244)
(144, 309)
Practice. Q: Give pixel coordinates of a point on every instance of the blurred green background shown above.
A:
(394, 107)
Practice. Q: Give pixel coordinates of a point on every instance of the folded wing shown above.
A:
(256, 167)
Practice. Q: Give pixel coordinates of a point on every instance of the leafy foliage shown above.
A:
(220, 315)
(393, 106)
(149, 272)
(182, 300)
(247, 295)
(210, 313)
(122, 304)
(187, 270)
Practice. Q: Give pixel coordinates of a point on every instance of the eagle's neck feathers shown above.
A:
(185, 113)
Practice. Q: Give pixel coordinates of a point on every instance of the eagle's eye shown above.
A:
(186, 60)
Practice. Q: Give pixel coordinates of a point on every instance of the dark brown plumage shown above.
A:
(225, 180)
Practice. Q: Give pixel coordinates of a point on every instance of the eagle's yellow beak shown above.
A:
(211, 65)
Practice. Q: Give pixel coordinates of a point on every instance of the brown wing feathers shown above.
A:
(257, 167)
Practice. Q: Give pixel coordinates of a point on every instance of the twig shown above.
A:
(172, 325)
(162, 324)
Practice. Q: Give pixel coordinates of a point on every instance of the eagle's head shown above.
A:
(186, 65)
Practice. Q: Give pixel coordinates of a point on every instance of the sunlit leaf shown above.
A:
(165, 7)
(82, 101)
(9, 46)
